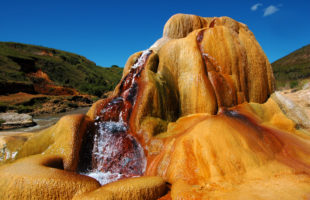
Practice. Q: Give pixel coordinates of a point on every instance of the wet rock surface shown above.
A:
(114, 151)
(15, 120)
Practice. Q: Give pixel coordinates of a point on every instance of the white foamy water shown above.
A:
(6, 154)
(104, 177)
(142, 58)
(105, 142)
(108, 149)
(117, 154)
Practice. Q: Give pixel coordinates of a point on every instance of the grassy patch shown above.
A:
(292, 69)
(35, 101)
(94, 99)
(20, 108)
(293, 84)
(63, 68)
(24, 109)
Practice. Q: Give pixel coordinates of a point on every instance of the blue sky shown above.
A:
(108, 32)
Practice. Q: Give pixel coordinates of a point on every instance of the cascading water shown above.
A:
(115, 153)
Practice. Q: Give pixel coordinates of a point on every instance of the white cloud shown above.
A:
(270, 10)
(255, 6)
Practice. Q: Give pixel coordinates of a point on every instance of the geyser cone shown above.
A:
(206, 67)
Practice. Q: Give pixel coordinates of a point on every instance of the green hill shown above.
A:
(294, 69)
(63, 68)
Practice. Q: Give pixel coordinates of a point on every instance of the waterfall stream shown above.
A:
(115, 153)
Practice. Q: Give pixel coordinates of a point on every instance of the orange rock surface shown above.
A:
(139, 188)
(42, 177)
(207, 156)
(198, 103)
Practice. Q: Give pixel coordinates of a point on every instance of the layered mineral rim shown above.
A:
(193, 117)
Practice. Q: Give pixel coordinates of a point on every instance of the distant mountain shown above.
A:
(36, 69)
(293, 69)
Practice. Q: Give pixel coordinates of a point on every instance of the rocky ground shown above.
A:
(14, 107)
(300, 97)
(296, 105)
(15, 120)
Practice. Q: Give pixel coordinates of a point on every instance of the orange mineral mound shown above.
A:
(194, 111)
(198, 66)
(218, 156)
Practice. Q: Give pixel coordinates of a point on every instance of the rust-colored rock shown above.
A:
(43, 85)
(196, 107)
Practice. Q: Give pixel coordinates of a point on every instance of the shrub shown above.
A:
(293, 84)
(24, 109)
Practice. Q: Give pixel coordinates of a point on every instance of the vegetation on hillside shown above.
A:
(63, 68)
(294, 69)
(37, 104)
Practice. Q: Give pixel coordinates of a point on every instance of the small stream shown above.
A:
(111, 151)
(44, 121)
